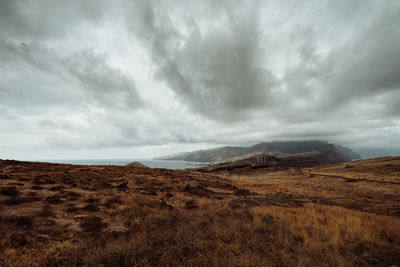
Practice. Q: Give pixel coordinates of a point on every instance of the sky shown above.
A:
(145, 78)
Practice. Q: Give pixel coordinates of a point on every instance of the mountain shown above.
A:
(328, 153)
(136, 164)
(347, 151)
(210, 155)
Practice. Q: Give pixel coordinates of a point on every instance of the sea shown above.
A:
(152, 163)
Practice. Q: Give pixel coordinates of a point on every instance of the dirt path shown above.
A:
(353, 179)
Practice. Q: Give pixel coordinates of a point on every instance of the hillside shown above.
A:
(325, 155)
(136, 164)
(279, 149)
(78, 215)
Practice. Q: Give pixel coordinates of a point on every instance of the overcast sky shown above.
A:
(138, 79)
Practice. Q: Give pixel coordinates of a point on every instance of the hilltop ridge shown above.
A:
(278, 149)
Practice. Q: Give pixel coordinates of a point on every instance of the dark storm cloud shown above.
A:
(216, 69)
(100, 74)
(219, 67)
(369, 64)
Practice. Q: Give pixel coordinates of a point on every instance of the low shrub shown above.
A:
(92, 224)
(46, 211)
(9, 191)
(113, 201)
(37, 187)
(54, 199)
(25, 222)
(191, 204)
(91, 208)
(20, 200)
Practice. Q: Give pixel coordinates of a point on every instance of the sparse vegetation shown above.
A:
(20, 200)
(9, 191)
(191, 204)
(71, 209)
(54, 199)
(4, 177)
(198, 219)
(46, 211)
(37, 187)
(91, 207)
(93, 224)
(19, 221)
(113, 201)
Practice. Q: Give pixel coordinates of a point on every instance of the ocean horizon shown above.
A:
(152, 163)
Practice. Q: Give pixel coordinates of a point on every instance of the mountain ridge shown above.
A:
(276, 148)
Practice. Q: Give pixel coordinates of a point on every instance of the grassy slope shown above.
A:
(55, 214)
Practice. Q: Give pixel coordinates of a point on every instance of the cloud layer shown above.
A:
(135, 77)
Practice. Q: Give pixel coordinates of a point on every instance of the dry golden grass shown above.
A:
(127, 216)
(339, 235)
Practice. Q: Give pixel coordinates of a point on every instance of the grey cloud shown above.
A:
(37, 19)
(390, 104)
(107, 85)
(221, 70)
(30, 73)
(362, 68)
(96, 74)
(28, 76)
(370, 63)
(218, 71)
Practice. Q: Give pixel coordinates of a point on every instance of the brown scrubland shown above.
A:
(345, 214)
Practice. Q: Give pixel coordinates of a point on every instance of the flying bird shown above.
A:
(23, 44)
